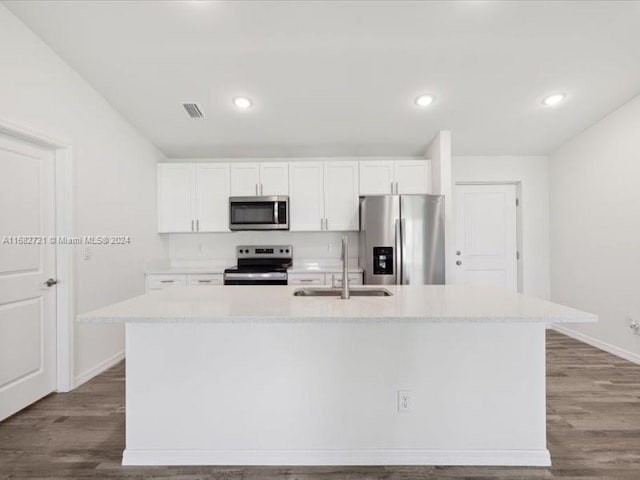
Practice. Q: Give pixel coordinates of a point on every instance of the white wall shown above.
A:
(531, 173)
(221, 246)
(114, 177)
(595, 228)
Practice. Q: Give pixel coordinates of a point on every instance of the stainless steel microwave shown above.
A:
(259, 213)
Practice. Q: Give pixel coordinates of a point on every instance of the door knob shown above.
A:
(51, 282)
(459, 262)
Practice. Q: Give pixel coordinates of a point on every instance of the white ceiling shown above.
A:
(339, 78)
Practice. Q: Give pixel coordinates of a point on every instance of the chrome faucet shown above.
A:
(345, 268)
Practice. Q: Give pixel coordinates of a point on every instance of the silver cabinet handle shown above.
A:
(197, 225)
(256, 189)
(51, 282)
(205, 281)
(396, 188)
(392, 188)
(322, 224)
(261, 190)
(326, 224)
(307, 280)
(192, 225)
(167, 281)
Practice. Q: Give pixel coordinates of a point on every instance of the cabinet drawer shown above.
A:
(159, 282)
(306, 279)
(354, 279)
(205, 279)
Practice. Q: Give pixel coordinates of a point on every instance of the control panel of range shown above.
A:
(383, 260)
(264, 251)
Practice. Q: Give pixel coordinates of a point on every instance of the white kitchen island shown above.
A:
(256, 376)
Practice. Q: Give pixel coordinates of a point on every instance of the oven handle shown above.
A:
(275, 212)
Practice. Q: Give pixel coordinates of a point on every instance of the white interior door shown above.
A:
(27, 306)
(212, 197)
(486, 236)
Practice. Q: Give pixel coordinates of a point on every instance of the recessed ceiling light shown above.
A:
(242, 102)
(424, 100)
(554, 99)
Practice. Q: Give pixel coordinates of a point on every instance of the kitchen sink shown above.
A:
(336, 292)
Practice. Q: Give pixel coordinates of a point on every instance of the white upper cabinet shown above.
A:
(176, 197)
(412, 176)
(341, 203)
(274, 178)
(263, 178)
(306, 196)
(323, 195)
(245, 179)
(193, 197)
(376, 177)
(212, 197)
(380, 177)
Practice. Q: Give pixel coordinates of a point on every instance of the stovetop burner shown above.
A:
(260, 265)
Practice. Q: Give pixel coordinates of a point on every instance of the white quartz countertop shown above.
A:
(424, 303)
(218, 267)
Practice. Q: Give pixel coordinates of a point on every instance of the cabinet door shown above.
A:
(376, 177)
(341, 195)
(306, 206)
(205, 279)
(245, 179)
(160, 282)
(413, 176)
(176, 196)
(306, 279)
(212, 197)
(274, 178)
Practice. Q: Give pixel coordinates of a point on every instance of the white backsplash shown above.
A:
(207, 247)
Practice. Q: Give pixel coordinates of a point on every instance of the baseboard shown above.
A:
(98, 369)
(377, 457)
(594, 342)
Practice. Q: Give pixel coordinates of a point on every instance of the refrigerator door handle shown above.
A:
(403, 248)
(398, 254)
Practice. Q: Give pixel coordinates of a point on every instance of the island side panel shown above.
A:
(323, 393)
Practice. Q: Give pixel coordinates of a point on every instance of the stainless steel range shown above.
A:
(260, 265)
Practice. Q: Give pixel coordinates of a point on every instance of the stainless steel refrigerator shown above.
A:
(402, 239)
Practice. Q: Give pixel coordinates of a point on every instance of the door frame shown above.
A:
(519, 245)
(63, 168)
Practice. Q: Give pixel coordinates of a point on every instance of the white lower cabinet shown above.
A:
(155, 282)
(205, 279)
(160, 282)
(319, 279)
(336, 279)
(306, 279)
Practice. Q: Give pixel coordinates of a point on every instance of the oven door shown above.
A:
(267, 278)
(259, 213)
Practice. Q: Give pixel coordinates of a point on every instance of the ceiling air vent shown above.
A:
(193, 109)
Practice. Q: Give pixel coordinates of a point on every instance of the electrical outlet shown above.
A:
(634, 325)
(404, 401)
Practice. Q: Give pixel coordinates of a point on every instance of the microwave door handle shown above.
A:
(275, 212)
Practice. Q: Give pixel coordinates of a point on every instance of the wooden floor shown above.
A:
(593, 432)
